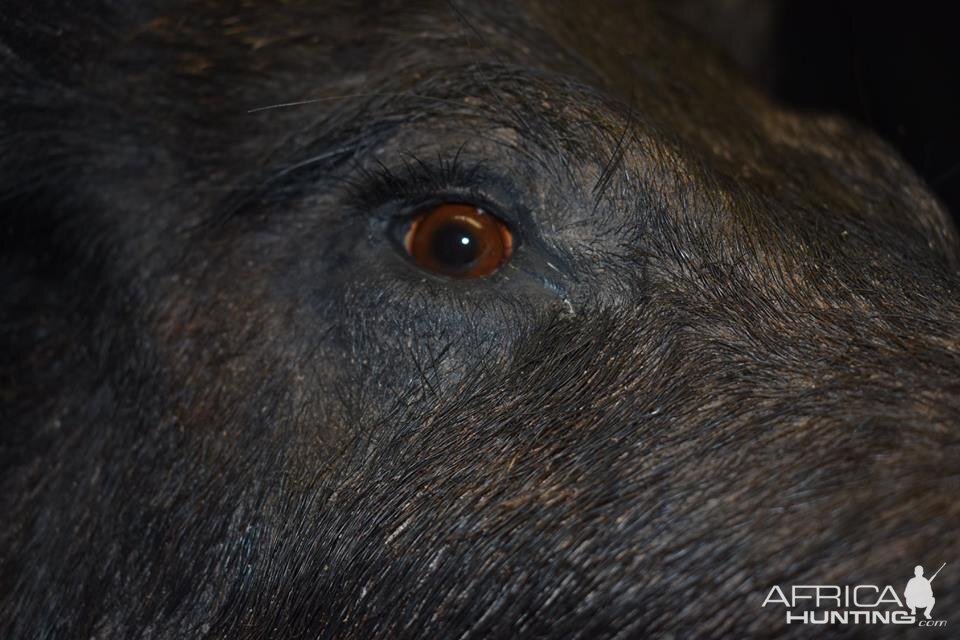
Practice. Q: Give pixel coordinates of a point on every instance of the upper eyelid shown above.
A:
(414, 176)
(412, 207)
(421, 184)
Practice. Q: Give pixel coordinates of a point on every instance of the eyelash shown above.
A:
(417, 183)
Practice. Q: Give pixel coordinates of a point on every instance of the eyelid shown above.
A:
(413, 207)
(419, 183)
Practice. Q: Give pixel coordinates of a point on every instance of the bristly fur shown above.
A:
(725, 354)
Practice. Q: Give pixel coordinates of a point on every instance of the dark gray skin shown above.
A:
(724, 356)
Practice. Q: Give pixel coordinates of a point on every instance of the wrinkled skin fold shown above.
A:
(724, 356)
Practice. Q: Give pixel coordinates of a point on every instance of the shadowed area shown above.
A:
(723, 354)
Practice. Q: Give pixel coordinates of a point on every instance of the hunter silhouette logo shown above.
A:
(859, 604)
(919, 593)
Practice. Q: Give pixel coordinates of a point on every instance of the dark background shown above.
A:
(894, 67)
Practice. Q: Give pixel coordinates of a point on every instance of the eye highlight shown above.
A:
(458, 240)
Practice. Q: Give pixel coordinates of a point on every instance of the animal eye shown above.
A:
(458, 240)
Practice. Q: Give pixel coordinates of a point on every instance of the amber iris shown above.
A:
(458, 240)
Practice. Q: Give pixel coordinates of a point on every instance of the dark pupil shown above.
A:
(454, 246)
